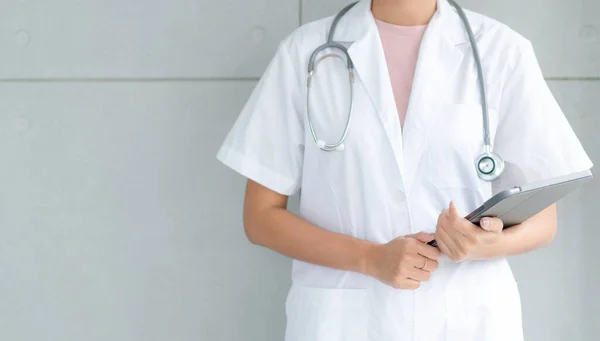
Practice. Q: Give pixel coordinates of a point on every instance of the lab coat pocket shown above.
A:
(324, 314)
(483, 303)
(455, 142)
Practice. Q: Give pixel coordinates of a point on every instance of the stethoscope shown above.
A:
(489, 165)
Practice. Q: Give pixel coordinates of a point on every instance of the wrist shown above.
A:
(492, 247)
(365, 258)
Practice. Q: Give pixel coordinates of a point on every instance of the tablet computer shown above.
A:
(514, 206)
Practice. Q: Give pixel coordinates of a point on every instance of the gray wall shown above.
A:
(117, 223)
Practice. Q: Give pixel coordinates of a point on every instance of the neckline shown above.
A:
(398, 30)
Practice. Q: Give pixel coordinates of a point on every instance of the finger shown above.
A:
(446, 244)
(419, 275)
(430, 265)
(457, 228)
(491, 224)
(458, 223)
(453, 211)
(423, 237)
(428, 251)
(443, 247)
(462, 233)
(443, 214)
(418, 261)
(410, 283)
(461, 228)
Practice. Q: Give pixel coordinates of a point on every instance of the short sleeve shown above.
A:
(266, 142)
(533, 135)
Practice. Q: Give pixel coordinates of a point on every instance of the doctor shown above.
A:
(406, 102)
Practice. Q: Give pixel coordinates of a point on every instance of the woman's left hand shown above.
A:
(461, 240)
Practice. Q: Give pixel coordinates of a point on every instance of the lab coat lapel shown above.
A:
(370, 64)
(439, 60)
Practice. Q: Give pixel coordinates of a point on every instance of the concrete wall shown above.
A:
(116, 221)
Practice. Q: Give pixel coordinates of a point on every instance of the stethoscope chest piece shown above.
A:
(489, 166)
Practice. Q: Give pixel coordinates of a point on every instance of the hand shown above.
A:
(399, 263)
(462, 240)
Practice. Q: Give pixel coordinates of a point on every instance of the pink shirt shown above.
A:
(401, 47)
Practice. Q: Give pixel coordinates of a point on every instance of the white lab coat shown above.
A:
(391, 181)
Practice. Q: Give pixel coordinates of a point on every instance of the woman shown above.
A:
(362, 267)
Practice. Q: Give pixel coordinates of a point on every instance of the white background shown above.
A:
(116, 221)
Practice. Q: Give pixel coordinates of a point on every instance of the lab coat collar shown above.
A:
(359, 20)
(438, 62)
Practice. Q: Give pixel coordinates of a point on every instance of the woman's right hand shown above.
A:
(399, 263)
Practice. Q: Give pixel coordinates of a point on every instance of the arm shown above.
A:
(536, 232)
(535, 138)
(268, 223)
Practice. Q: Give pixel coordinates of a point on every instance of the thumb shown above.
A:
(423, 237)
(453, 211)
(491, 224)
